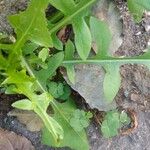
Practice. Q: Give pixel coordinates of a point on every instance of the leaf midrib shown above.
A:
(78, 9)
(109, 60)
(20, 42)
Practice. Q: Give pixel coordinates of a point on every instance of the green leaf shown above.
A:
(112, 81)
(53, 63)
(63, 5)
(111, 124)
(66, 92)
(18, 77)
(79, 120)
(124, 117)
(101, 35)
(56, 89)
(113, 120)
(3, 62)
(30, 27)
(24, 104)
(43, 54)
(73, 139)
(56, 42)
(29, 47)
(52, 126)
(83, 38)
(69, 55)
(136, 9)
(144, 3)
(70, 73)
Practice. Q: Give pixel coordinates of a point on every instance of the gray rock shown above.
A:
(89, 84)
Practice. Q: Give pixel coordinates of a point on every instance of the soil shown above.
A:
(134, 91)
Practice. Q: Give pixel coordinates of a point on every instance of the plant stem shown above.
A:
(67, 19)
(110, 60)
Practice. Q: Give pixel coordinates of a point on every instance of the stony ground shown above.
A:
(134, 91)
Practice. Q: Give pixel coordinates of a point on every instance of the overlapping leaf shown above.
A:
(75, 14)
(73, 139)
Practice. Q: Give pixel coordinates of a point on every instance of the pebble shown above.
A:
(148, 43)
(134, 97)
(138, 33)
(147, 28)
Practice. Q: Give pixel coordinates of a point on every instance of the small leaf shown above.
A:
(79, 120)
(43, 54)
(24, 104)
(111, 124)
(124, 117)
(83, 40)
(136, 9)
(56, 89)
(112, 81)
(66, 93)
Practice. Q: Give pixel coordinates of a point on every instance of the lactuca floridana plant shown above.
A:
(26, 66)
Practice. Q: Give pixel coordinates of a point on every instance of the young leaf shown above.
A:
(112, 81)
(56, 89)
(80, 120)
(112, 122)
(136, 9)
(43, 54)
(24, 104)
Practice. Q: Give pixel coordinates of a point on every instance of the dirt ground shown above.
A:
(134, 92)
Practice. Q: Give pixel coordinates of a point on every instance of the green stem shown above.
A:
(67, 19)
(110, 60)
